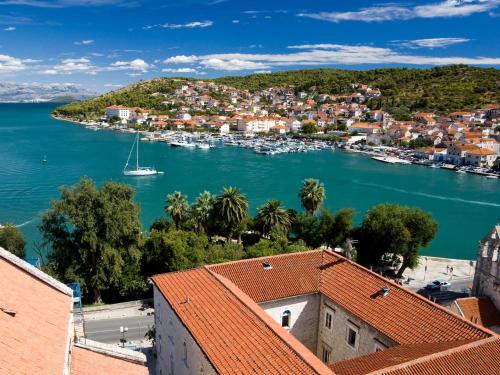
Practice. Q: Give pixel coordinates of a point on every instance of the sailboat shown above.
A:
(138, 171)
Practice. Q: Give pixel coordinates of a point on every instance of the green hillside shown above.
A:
(440, 89)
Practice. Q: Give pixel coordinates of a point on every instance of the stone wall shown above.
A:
(177, 352)
(335, 339)
(303, 318)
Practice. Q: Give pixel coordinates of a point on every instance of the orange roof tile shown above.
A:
(239, 340)
(291, 275)
(355, 289)
(479, 310)
(390, 357)
(35, 340)
(478, 358)
(88, 362)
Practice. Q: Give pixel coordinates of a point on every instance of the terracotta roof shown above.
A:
(36, 338)
(290, 275)
(478, 358)
(390, 357)
(89, 362)
(356, 289)
(242, 339)
(479, 310)
(481, 151)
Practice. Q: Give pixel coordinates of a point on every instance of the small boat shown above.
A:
(138, 171)
(182, 144)
(44, 160)
(203, 146)
(434, 166)
(461, 171)
(492, 176)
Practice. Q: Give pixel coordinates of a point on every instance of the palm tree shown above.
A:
(231, 207)
(177, 207)
(272, 215)
(312, 194)
(201, 210)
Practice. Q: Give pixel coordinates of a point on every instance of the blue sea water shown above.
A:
(466, 206)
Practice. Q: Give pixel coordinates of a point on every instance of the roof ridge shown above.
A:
(437, 355)
(413, 294)
(229, 286)
(262, 257)
(35, 272)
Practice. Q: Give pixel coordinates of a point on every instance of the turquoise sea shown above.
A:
(466, 206)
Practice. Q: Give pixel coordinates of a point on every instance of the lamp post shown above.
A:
(425, 269)
(123, 330)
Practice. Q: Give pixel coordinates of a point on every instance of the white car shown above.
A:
(438, 284)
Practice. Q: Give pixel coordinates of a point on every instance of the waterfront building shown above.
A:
(365, 128)
(123, 113)
(314, 312)
(37, 329)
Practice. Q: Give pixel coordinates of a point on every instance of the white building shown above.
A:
(313, 312)
(123, 113)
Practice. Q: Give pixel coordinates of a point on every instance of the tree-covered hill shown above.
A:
(441, 89)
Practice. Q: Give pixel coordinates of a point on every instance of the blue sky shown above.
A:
(103, 44)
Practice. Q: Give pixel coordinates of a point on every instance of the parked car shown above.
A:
(438, 284)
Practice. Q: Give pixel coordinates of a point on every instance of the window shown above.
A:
(352, 335)
(185, 355)
(325, 357)
(328, 318)
(285, 319)
(379, 346)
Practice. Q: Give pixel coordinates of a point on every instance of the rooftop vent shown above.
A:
(267, 265)
(384, 291)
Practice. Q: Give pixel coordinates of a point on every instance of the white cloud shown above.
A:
(263, 71)
(323, 54)
(9, 64)
(137, 64)
(235, 21)
(430, 42)
(231, 64)
(387, 12)
(70, 66)
(112, 85)
(10, 28)
(179, 70)
(189, 25)
(84, 42)
(180, 59)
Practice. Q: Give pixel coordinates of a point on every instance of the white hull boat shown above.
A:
(138, 171)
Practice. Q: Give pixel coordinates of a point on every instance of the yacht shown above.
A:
(138, 171)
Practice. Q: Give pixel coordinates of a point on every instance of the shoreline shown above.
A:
(393, 157)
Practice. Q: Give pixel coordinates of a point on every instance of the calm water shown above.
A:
(465, 206)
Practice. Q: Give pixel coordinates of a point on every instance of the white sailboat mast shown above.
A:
(137, 151)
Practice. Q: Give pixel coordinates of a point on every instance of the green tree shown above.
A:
(219, 253)
(272, 216)
(11, 239)
(394, 230)
(201, 210)
(309, 127)
(177, 207)
(312, 194)
(173, 250)
(231, 209)
(94, 237)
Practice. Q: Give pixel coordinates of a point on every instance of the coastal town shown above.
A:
(281, 120)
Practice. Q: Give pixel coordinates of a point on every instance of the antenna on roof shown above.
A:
(186, 300)
(8, 311)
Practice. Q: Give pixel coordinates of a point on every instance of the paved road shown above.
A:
(108, 330)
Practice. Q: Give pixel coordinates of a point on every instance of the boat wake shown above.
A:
(25, 223)
(433, 196)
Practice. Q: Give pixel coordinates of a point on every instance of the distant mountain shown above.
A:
(11, 92)
(403, 90)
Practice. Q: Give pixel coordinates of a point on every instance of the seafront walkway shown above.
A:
(459, 272)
